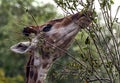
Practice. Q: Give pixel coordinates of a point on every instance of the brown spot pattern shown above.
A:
(44, 65)
(31, 74)
(35, 76)
(29, 65)
(39, 81)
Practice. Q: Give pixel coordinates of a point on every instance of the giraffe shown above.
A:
(49, 42)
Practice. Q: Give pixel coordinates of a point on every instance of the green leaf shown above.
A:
(111, 1)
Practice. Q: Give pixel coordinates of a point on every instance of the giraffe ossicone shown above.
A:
(56, 36)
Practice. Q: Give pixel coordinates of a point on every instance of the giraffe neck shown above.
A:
(39, 65)
(42, 65)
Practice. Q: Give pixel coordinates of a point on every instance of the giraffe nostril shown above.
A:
(26, 31)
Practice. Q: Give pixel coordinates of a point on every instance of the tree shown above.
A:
(15, 15)
(95, 50)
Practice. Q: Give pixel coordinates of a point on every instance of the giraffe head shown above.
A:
(52, 36)
(55, 33)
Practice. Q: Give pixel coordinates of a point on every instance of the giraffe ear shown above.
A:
(21, 47)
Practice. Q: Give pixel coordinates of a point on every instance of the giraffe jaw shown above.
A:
(61, 37)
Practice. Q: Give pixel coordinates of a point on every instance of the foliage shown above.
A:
(95, 52)
(14, 18)
(4, 79)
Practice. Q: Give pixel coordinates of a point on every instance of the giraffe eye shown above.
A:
(47, 28)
